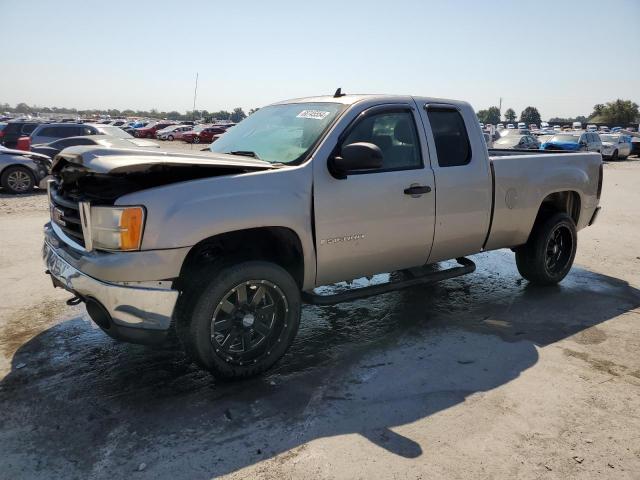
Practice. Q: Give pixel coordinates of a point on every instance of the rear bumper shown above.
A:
(134, 314)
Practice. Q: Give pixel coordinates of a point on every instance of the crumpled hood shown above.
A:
(117, 160)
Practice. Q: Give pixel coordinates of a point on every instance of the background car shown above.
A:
(108, 141)
(205, 135)
(574, 142)
(21, 171)
(173, 132)
(15, 129)
(615, 147)
(50, 132)
(520, 142)
(150, 130)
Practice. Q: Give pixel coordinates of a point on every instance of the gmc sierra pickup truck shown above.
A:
(223, 247)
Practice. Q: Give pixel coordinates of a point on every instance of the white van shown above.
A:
(576, 125)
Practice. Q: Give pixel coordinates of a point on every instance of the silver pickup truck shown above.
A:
(223, 247)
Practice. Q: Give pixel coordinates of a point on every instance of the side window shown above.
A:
(394, 132)
(28, 128)
(450, 136)
(44, 132)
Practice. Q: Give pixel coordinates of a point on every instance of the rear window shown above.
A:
(450, 135)
(27, 128)
(565, 138)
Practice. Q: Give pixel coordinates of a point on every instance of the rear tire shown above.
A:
(242, 321)
(17, 179)
(196, 139)
(548, 255)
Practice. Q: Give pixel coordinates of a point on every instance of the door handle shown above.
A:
(417, 190)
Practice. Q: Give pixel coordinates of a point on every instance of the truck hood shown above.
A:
(25, 153)
(101, 175)
(116, 160)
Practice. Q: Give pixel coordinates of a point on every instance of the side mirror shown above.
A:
(356, 156)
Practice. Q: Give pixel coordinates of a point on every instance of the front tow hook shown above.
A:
(74, 301)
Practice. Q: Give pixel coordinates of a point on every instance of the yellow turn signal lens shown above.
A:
(131, 223)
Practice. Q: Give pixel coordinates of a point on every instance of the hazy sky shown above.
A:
(562, 56)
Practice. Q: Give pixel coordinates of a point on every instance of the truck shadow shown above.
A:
(83, 405)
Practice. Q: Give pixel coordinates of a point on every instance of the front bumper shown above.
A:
(134, 314)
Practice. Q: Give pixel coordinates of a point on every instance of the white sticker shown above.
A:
(315, 114)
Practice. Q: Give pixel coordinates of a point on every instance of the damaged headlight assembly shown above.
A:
(112, 228)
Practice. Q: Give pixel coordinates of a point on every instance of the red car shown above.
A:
(150, 130)
(205, 135)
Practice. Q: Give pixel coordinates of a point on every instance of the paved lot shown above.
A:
(477, 377)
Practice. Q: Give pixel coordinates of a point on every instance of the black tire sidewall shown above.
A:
(224, 279)
(542, 237)
(4, 180)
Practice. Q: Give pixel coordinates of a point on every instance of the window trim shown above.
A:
(447, 107)
(370, 112)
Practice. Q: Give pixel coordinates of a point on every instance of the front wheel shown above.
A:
(548, 255)
(170, 138)
(614, 157)
(243, 320)
(17, 179)
(196, 139)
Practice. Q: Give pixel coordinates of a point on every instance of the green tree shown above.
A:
(490, 115)
(620, 112)
(238, 115)
(173, 115)
(510, 115)
(530, 115)
(253, 110)
(23, 108)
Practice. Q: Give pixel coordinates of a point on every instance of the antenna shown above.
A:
(339, 93)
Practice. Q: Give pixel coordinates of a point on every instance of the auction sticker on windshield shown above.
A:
(315, 114)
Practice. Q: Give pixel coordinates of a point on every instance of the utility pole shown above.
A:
(195, 93)
(500, 107)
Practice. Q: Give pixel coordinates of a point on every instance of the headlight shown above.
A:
(112, 228)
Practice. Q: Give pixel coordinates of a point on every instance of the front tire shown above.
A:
(17, 179)
(615, 157)
(548, 255)
(243, 321)
(170, 138)
(196, 139)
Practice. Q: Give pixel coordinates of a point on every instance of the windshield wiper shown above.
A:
(244, 153)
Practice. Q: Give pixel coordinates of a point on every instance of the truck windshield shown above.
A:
(280, 133)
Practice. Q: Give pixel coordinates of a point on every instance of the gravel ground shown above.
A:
(481, 376)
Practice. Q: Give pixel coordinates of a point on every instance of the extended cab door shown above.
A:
(460, 163)
(377, 220)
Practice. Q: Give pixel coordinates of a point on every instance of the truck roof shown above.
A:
(354, 98)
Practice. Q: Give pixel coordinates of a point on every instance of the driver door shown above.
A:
(376, 220)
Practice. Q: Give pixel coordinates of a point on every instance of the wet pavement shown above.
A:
(84, 405)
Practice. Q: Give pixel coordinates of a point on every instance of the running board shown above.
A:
(467, 266)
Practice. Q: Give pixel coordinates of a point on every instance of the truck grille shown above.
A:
(65, 213)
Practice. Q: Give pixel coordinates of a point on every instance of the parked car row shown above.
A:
(613, 146)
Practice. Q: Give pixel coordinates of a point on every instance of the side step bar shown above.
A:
(467, 266)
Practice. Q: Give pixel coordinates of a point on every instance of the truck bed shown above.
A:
(522, 179)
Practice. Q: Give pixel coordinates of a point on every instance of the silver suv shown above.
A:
(50, 132)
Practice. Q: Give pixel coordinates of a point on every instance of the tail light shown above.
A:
(600, 175)
(1, 133)
(24, 143)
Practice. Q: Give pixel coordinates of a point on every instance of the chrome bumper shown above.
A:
(129, 307)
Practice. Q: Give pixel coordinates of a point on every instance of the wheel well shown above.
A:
(567, 202)
(279, 245)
